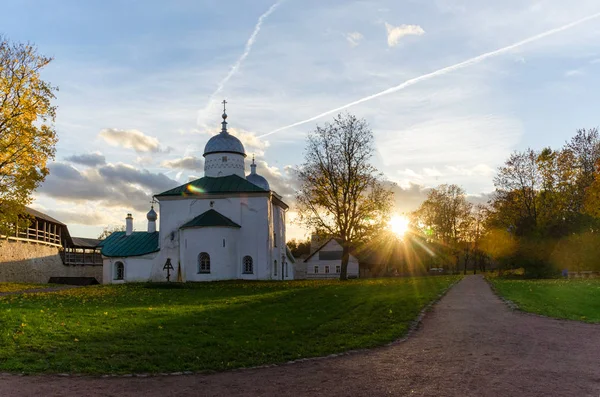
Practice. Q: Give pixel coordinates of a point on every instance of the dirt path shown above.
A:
(471, 344)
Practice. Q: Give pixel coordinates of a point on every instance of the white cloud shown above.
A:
(574, 73)
(130, 139)
(192, 163)
(354, 38)
(396, 33)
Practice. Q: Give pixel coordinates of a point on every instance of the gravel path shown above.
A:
(471, 344)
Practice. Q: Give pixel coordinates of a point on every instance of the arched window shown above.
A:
(275, 268)
(203, 263)
(248, 266)
(119, 271)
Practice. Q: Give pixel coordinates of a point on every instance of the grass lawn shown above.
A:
(570, 299)
(13, 287)
(135, 328)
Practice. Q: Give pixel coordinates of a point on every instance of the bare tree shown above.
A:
(341, 193)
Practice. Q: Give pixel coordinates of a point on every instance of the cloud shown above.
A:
(574, 73)
(81, 218)
(396, 33)
(110, 186)
(130, 139)
(354, 38)
(122, 173)
(191, 163)
(280, 181)
(89, 159)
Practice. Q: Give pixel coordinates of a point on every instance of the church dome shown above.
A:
(256, 179)
(224, 142)
(151, 216)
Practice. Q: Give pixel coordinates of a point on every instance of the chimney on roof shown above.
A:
(315, 242)
(128, 225)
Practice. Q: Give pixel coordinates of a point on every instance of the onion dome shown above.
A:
(224, 142)
(152, 216)
(257, 179)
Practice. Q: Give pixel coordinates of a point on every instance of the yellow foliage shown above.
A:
(27, 135)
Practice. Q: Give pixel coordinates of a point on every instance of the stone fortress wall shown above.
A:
(33, 262)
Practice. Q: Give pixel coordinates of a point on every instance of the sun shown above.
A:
(399, 225)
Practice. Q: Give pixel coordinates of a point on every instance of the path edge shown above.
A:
(412, 329)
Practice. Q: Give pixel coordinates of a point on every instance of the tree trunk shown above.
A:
(345, 259)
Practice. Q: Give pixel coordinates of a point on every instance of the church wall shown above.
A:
(223, 164)
(136, 269)
(221, 243)
(30, 262)
(285, 270)
(253, 237)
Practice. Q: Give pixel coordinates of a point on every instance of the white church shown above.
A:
(224, 226)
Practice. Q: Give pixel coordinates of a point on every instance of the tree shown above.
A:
(341, 193)
(299, 248)
(517, 183)
(110, 230)
(445, 217)
(27, 135)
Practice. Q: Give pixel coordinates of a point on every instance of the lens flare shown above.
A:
(195, 190)
(399, 225)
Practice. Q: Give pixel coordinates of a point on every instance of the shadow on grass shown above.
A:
(199, 332)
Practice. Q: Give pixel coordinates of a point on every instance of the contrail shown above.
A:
(238, 63)
(440, 72)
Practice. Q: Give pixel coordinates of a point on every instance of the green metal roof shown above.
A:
(222, 184)
(210, 218)
(137, 243)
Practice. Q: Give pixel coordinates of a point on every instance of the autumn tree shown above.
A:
(445, 217)
(27, 135)
(341, 193)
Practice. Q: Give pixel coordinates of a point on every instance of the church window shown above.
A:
(203, 263)
(275, 267)
(248, 266)
(274, 239)
(316, 269)
(224, 159)
(286, 269)
(326, 269)
(338, 269)
(223, 242)
(119, 271)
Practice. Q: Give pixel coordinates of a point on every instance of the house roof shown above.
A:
(223, 184)
(41, 215)
(210, 218)
(118, 244)
(321, 247)
(365, 253)
(83, 242)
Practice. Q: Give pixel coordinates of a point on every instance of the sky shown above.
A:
(140, 85)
